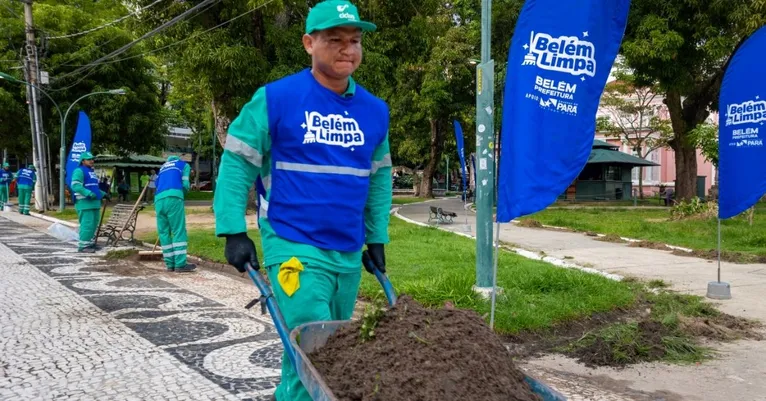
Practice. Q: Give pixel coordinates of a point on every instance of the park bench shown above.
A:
(440, 215)
(122, 222)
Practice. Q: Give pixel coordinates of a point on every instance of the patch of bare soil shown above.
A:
(530, 223)
(721, 328)
(726, 256)
(649, 245)
(612, 238)
(421, 354)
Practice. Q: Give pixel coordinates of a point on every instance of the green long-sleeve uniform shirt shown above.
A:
(78, 178)
(238, 173)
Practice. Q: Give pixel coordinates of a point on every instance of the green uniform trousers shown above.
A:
(88, 219)
(4, 195)
(322, 295)
(25, 196)
(171, 226)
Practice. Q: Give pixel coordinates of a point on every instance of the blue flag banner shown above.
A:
(81, 143)
(560, 57)
(260, 199)
(461, 152)
(742, 114)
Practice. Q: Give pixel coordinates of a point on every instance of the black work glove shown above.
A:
(239, 251)
(374, 257)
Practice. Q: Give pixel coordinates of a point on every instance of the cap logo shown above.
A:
(342, 8)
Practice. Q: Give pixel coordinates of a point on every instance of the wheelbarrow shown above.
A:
(309, 337)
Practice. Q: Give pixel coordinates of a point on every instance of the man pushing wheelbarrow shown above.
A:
(319, 142)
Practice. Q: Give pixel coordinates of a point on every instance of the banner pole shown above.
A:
(719, 250)
(494, 277)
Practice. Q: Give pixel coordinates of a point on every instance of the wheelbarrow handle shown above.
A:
(388, 289)
(267, 298)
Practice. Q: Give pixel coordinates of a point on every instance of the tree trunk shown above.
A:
(196, 170)
(641, 183)
(683, 121)
(222, 122)
(686, 171)
(426, 186)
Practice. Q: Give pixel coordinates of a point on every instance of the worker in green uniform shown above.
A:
(6, 177)
(172, 186)
(87, 201)
(25, 182)
(318, 142)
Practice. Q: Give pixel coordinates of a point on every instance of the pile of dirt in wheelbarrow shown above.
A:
(416, 353)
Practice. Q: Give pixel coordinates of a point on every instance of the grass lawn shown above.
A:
(199, 195)
(434, 266)
(404, 200)
(70, 214)
(204, 243)
(652, 224)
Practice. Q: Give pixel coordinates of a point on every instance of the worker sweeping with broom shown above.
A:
(6, 177)
(25, 182)
(319, 142)
(172, 186)
(87, 201)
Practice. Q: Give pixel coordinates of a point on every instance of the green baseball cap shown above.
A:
(334, 13)
(6, 165)
(86, 156)
(173, 158)
(31, 166)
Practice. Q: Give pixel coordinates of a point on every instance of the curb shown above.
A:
(522, 252)
(626, 239)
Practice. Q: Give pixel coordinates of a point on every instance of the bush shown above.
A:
(403, 182)
(695, 208)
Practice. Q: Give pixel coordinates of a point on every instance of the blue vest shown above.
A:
(26, 177)
(5, 177)
(90, 182)
(321, 155)
(171, 176)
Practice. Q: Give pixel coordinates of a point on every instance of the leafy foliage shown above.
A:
(684, 46)
(705, 137)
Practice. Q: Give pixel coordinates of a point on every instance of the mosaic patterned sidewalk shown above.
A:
(71, 329)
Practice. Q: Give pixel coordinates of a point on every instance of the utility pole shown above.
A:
(485, 155)
(41, 190)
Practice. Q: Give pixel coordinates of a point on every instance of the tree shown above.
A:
(684, 46)
(632, 117)
(121, 124)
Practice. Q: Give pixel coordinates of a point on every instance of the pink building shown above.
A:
(665, 173)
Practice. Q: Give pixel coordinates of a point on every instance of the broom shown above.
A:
(151, 255)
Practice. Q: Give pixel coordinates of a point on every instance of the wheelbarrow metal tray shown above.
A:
(309, 337)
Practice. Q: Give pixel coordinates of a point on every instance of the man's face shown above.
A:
(88, 163)
(337, 52)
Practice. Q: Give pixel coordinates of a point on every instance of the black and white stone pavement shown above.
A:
(74, 327)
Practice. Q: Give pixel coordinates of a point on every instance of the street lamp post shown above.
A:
(62, 122)
(62, 154)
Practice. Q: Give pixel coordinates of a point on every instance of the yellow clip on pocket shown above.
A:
(288, 276)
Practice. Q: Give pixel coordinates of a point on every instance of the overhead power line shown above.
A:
(178, 42)
(153, 32)
(71, 35)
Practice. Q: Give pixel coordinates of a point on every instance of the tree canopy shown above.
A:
(684, 46)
